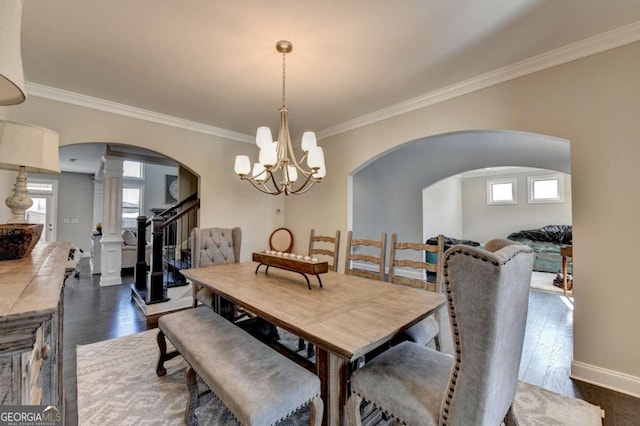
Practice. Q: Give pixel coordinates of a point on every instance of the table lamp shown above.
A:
(11, 75)
(24, 148)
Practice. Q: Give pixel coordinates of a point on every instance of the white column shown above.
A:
(111, 259)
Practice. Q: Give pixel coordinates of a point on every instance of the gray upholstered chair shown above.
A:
(487, 293)
(428, 329)
(213, 246)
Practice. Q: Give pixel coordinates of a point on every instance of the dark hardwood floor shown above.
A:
(93, 313)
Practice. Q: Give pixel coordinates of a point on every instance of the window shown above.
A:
(132, 169)
(40, 187)
(503, 191)
(546, 189)
(131, 206)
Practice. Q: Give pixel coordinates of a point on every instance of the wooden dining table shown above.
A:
(345, 319)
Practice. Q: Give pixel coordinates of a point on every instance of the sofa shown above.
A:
(130, 250)
(546, 243)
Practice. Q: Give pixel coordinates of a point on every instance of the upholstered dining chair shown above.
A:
(213, 246)
(428, 329)
(329, 248)
(487, 298)
(368, 252)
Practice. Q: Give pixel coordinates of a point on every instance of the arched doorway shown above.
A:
(387, 191)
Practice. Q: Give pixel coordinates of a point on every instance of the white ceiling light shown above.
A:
(277, 169)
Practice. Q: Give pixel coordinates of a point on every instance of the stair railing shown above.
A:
(169, 249)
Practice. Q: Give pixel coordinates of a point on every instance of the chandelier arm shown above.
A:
(304, 188)
(262, 187)
(308, 183)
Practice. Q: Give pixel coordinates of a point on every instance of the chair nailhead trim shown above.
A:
(452, 315)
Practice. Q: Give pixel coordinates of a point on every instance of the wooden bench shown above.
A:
(258, 385)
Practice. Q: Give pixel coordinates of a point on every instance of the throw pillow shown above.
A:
(129, 238)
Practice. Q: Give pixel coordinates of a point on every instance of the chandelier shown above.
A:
(277, 169)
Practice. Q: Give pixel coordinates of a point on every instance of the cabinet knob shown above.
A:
(45, 351)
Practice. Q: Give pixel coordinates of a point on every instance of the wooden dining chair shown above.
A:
(418, 273)
(370, 253)
(488, 298)
(329, 247)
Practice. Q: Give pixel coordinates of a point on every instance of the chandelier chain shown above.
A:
(284, 75)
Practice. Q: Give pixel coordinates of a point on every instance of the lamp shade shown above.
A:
(11, 75)
(35, 148)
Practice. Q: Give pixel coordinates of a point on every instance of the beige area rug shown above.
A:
(118, 385)
(544, 281)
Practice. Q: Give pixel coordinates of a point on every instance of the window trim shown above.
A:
(530, 185)
(133, 183)
(514, 191)
(135, 178)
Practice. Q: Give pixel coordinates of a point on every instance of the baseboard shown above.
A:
(179, 298)
(106, 281)
(609, 379)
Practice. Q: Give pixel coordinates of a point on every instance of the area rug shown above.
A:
(117, 385)
(544, 281)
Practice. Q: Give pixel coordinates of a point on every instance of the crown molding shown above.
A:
(46, 92)
(587, 47)
(609, 40)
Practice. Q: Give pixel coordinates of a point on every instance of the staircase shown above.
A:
(170, 253)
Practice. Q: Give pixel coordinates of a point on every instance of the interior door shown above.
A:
(44, 196)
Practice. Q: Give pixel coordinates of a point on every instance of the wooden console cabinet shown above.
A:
(31, 310)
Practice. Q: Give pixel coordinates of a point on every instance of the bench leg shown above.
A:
(316, 411)
(192, 398)
(164, 356)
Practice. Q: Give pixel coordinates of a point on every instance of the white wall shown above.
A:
(154, 186)
(482, 222)
(442, 209)
(75, 207)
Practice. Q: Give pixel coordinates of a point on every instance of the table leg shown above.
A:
(564, 274)
(333, 373)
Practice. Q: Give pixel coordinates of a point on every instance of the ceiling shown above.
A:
(215, 63)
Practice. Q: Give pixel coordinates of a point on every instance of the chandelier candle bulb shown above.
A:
(268, 155)
(293, 174)
(308, 141)
(263, 136)
(242, 165)
(321, 172)
(259, 173)
(315, 160)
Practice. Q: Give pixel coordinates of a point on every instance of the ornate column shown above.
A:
(111, 260)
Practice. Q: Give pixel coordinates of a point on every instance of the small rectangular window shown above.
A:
(132, 169)
(39, 186)
(502, 191)
(546, 189)
(131, 207)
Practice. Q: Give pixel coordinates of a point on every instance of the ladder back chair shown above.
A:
(428, 329)
(330, 247)
(354, 245)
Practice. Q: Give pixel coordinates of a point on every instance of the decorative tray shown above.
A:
(301, 266)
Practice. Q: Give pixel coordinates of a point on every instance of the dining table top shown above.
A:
(349, 316)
